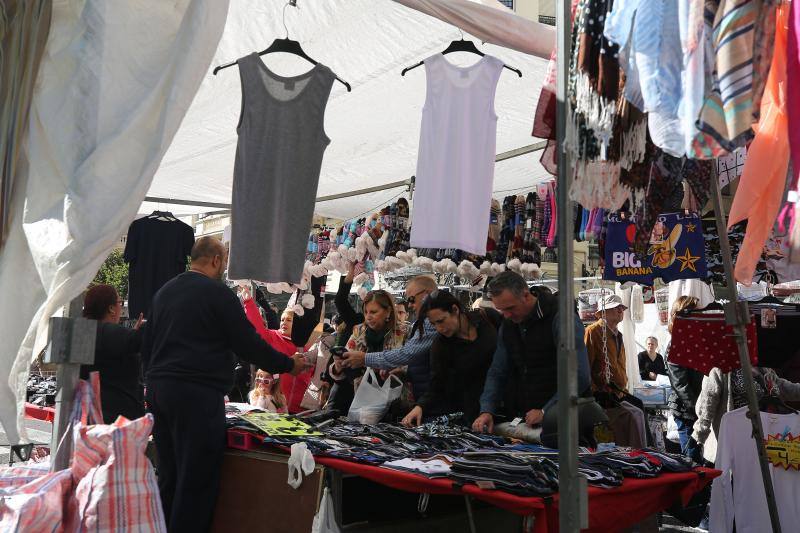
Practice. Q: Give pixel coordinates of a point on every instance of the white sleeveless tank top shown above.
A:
(455, 165)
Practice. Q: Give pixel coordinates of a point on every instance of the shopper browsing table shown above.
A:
(293, 387)
(651, 363)
(415, 353)
(604, 345)
(460, 357)
(116, 355)
(525, 364)
(378, 332)
(195, 323)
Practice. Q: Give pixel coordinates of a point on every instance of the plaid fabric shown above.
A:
(33, 500)
(116, 489)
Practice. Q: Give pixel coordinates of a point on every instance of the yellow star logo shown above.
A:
(688, 260)
(690, 228)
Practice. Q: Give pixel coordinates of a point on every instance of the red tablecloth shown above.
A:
(48, 414)
(609, 509)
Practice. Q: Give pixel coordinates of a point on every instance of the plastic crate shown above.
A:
(244, 440)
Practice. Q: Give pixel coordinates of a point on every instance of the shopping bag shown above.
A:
(372, 400)
(325, 519)
(33, 499)
(116, 487)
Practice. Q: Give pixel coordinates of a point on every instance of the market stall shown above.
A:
(633, 176)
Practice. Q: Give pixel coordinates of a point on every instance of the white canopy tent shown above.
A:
(115, 103)
(374, 129)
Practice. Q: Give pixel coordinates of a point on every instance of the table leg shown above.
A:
(471, 518)
(335, 484)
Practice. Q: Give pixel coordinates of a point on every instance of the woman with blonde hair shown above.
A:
(380, 331)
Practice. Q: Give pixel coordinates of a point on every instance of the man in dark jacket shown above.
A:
(522, 381)
(195, 323)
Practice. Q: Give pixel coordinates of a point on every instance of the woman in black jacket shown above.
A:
(461, 356)
(686, 386)
(116, 355)
(341, 394)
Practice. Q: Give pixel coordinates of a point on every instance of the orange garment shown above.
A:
(758, 198)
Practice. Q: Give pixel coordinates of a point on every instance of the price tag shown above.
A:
(769, 318)
(485, 484)
(514, 423)
(783, 451)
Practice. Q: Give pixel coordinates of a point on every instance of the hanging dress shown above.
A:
(275, 177)
(455, 166)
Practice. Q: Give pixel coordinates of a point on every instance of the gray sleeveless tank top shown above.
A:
(275, 177)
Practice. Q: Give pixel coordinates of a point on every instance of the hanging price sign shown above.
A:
(783, 451)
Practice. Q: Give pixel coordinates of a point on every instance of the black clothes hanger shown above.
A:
(773, 404)
(461, 45)
(162, 215)
(286, 45)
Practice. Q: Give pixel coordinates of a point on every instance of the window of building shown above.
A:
(508, 3)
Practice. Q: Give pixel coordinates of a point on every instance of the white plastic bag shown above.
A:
(372, 400)
(325, 519)
(301, 461)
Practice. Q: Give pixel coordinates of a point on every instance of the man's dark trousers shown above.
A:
(189, 434)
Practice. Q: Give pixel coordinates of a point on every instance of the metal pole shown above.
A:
(738, 315)
(516, 152)
(72, 341)
(572, 511)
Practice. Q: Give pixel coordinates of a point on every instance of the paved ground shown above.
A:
(38, 431)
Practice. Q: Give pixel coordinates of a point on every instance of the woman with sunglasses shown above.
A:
(461, 355)
(379, 332)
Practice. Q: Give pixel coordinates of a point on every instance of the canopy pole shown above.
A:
(573, 508)
(737, 314)
(516, 152)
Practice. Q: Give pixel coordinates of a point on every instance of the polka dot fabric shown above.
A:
(703, 343)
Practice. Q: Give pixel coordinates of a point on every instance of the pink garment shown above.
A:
(551, 237)
(793, 89)
(761, 186)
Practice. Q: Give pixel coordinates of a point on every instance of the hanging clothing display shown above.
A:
(156, 250)
(758, 198)
(675, 250)
(704, 341)
(455, 166)
(738, 495)
(278, 161)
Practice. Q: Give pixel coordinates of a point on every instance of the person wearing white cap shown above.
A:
(604, 345)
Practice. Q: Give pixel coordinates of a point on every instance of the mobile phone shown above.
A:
(338, 351)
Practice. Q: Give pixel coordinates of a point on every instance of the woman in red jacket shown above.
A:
(293, 387)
